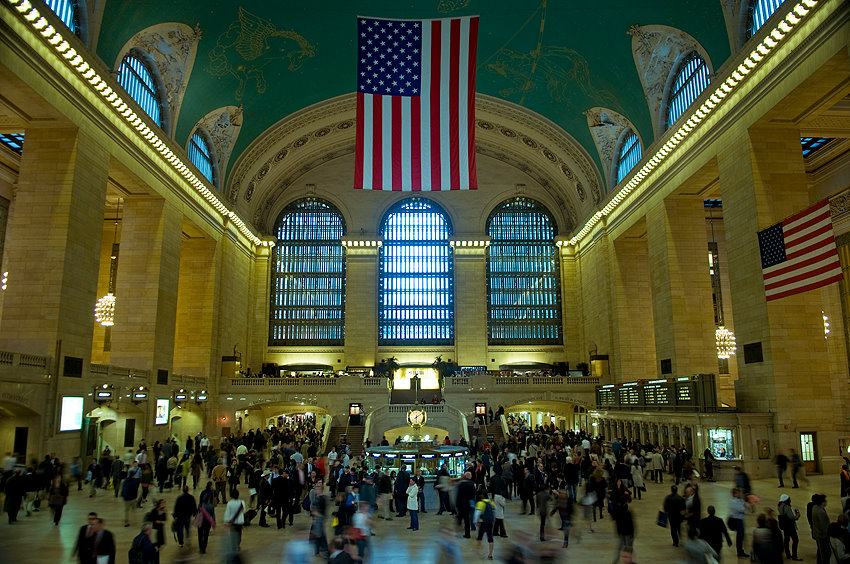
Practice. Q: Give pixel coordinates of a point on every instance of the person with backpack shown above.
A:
(484, 517)
(142, 550)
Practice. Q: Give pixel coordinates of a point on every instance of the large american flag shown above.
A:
(799, 253)
(416, 104)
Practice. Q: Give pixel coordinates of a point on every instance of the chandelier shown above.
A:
(104, 309)
(725, 340)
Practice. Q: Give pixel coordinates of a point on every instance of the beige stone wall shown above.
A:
(633, 330)
(681, 286)
(53, 244)
(594, 274)
(194, 334)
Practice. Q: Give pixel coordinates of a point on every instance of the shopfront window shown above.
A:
(722, 444)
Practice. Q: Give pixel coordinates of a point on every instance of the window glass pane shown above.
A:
(137, 81)
(65, 10)
(308, 276)
(416, 276)
(199, 154)
(812, 144)
(630, 153)
(14, 141)
(523, 275)
(691, 80)
(760, 11)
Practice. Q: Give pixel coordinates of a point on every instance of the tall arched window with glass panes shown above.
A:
(137, 79)
(628, 154)
(523, 275)
(66, 10)
(760, 11)
(308, 276)
(692, 77)
(416, 284)
(200, 151)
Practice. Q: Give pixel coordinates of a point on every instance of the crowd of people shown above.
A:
(569, 479)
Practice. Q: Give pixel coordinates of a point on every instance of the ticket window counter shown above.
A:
(428, 463)
(723, 444)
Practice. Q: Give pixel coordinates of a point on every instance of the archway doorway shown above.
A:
(20, 432)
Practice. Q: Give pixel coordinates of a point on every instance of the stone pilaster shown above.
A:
(147, 285)
(633, 332)
(52, 247)
(681, 286)
(470, 266)
(361, 305)
(763, 181)
(194, 333)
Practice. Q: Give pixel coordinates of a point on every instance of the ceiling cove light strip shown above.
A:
(75, 60)
(793, 18)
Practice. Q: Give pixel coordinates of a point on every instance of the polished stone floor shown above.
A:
(34, 539)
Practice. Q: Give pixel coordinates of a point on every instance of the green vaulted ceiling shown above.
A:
(554, 57)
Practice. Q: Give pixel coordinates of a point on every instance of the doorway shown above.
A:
(808, 452)
(21, 437)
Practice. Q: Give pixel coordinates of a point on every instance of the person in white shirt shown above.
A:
(332, 455)
(413, 504)
(234, 517)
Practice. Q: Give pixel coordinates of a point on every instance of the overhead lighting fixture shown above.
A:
(725, 341)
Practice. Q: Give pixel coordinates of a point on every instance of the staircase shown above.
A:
(494, 428)
(355, 438)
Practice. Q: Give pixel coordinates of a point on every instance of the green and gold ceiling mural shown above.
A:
(557, 58)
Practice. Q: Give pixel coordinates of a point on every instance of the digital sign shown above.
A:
(161, 416)
(71, 414)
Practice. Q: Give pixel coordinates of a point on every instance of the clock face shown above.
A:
(416, 418)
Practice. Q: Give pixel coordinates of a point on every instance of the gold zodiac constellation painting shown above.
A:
(249, 45)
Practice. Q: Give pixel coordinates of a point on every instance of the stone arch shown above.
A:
(314, 136)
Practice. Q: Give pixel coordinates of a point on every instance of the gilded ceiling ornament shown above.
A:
(446, 6)
(249, 45)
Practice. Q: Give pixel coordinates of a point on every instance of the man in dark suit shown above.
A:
(674, 505)
(265, 497)
(712, 529)
(84, 547)
(338, 554)
(465, 495)
(282, 495)
(402, 480)
(104, 543)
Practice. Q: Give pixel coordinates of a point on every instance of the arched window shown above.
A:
(691, 79)
(416, 284)
(66, 10)
(760, 11)
(201, 154)
(308, 276)
(629, 154)
(523, 275)
(137, 80)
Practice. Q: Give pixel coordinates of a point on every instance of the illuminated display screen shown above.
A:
(71, 415)
(161, 416)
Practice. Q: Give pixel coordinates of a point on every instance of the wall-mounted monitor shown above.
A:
(71, 414)
(161, 415)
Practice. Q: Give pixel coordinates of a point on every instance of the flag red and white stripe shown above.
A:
(799, 254)
(420, 138)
